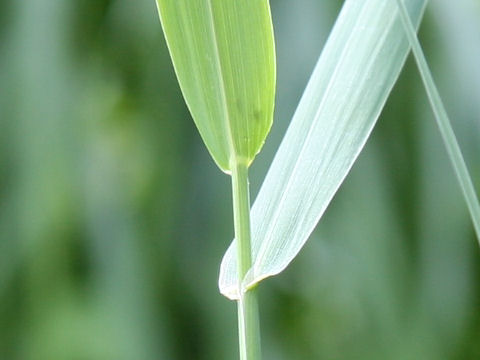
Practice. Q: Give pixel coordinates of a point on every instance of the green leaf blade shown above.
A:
(345, 95)
(224, 57)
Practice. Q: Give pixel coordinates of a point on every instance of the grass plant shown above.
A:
(224, 58)
(113, 219)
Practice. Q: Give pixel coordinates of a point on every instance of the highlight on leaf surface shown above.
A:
(356, 71)
(224, 57)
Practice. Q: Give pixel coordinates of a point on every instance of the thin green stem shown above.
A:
(248, 321)
(443, 122)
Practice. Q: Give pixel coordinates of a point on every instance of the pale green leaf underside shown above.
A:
(224, 57)
(345, 95)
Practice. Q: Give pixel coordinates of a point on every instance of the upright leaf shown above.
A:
(224, 57)
(345, 95)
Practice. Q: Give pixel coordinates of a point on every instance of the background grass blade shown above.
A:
(345, 95)
(224, 58)
(443, 122)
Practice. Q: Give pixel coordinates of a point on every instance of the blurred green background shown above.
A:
(114, 219)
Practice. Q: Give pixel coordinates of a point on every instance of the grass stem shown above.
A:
(248, 320)
(443, 122)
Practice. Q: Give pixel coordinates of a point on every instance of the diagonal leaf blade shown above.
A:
(343, 99)
(224, 57)
(444, 124)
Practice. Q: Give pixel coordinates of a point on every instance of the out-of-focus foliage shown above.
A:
(113, 219)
